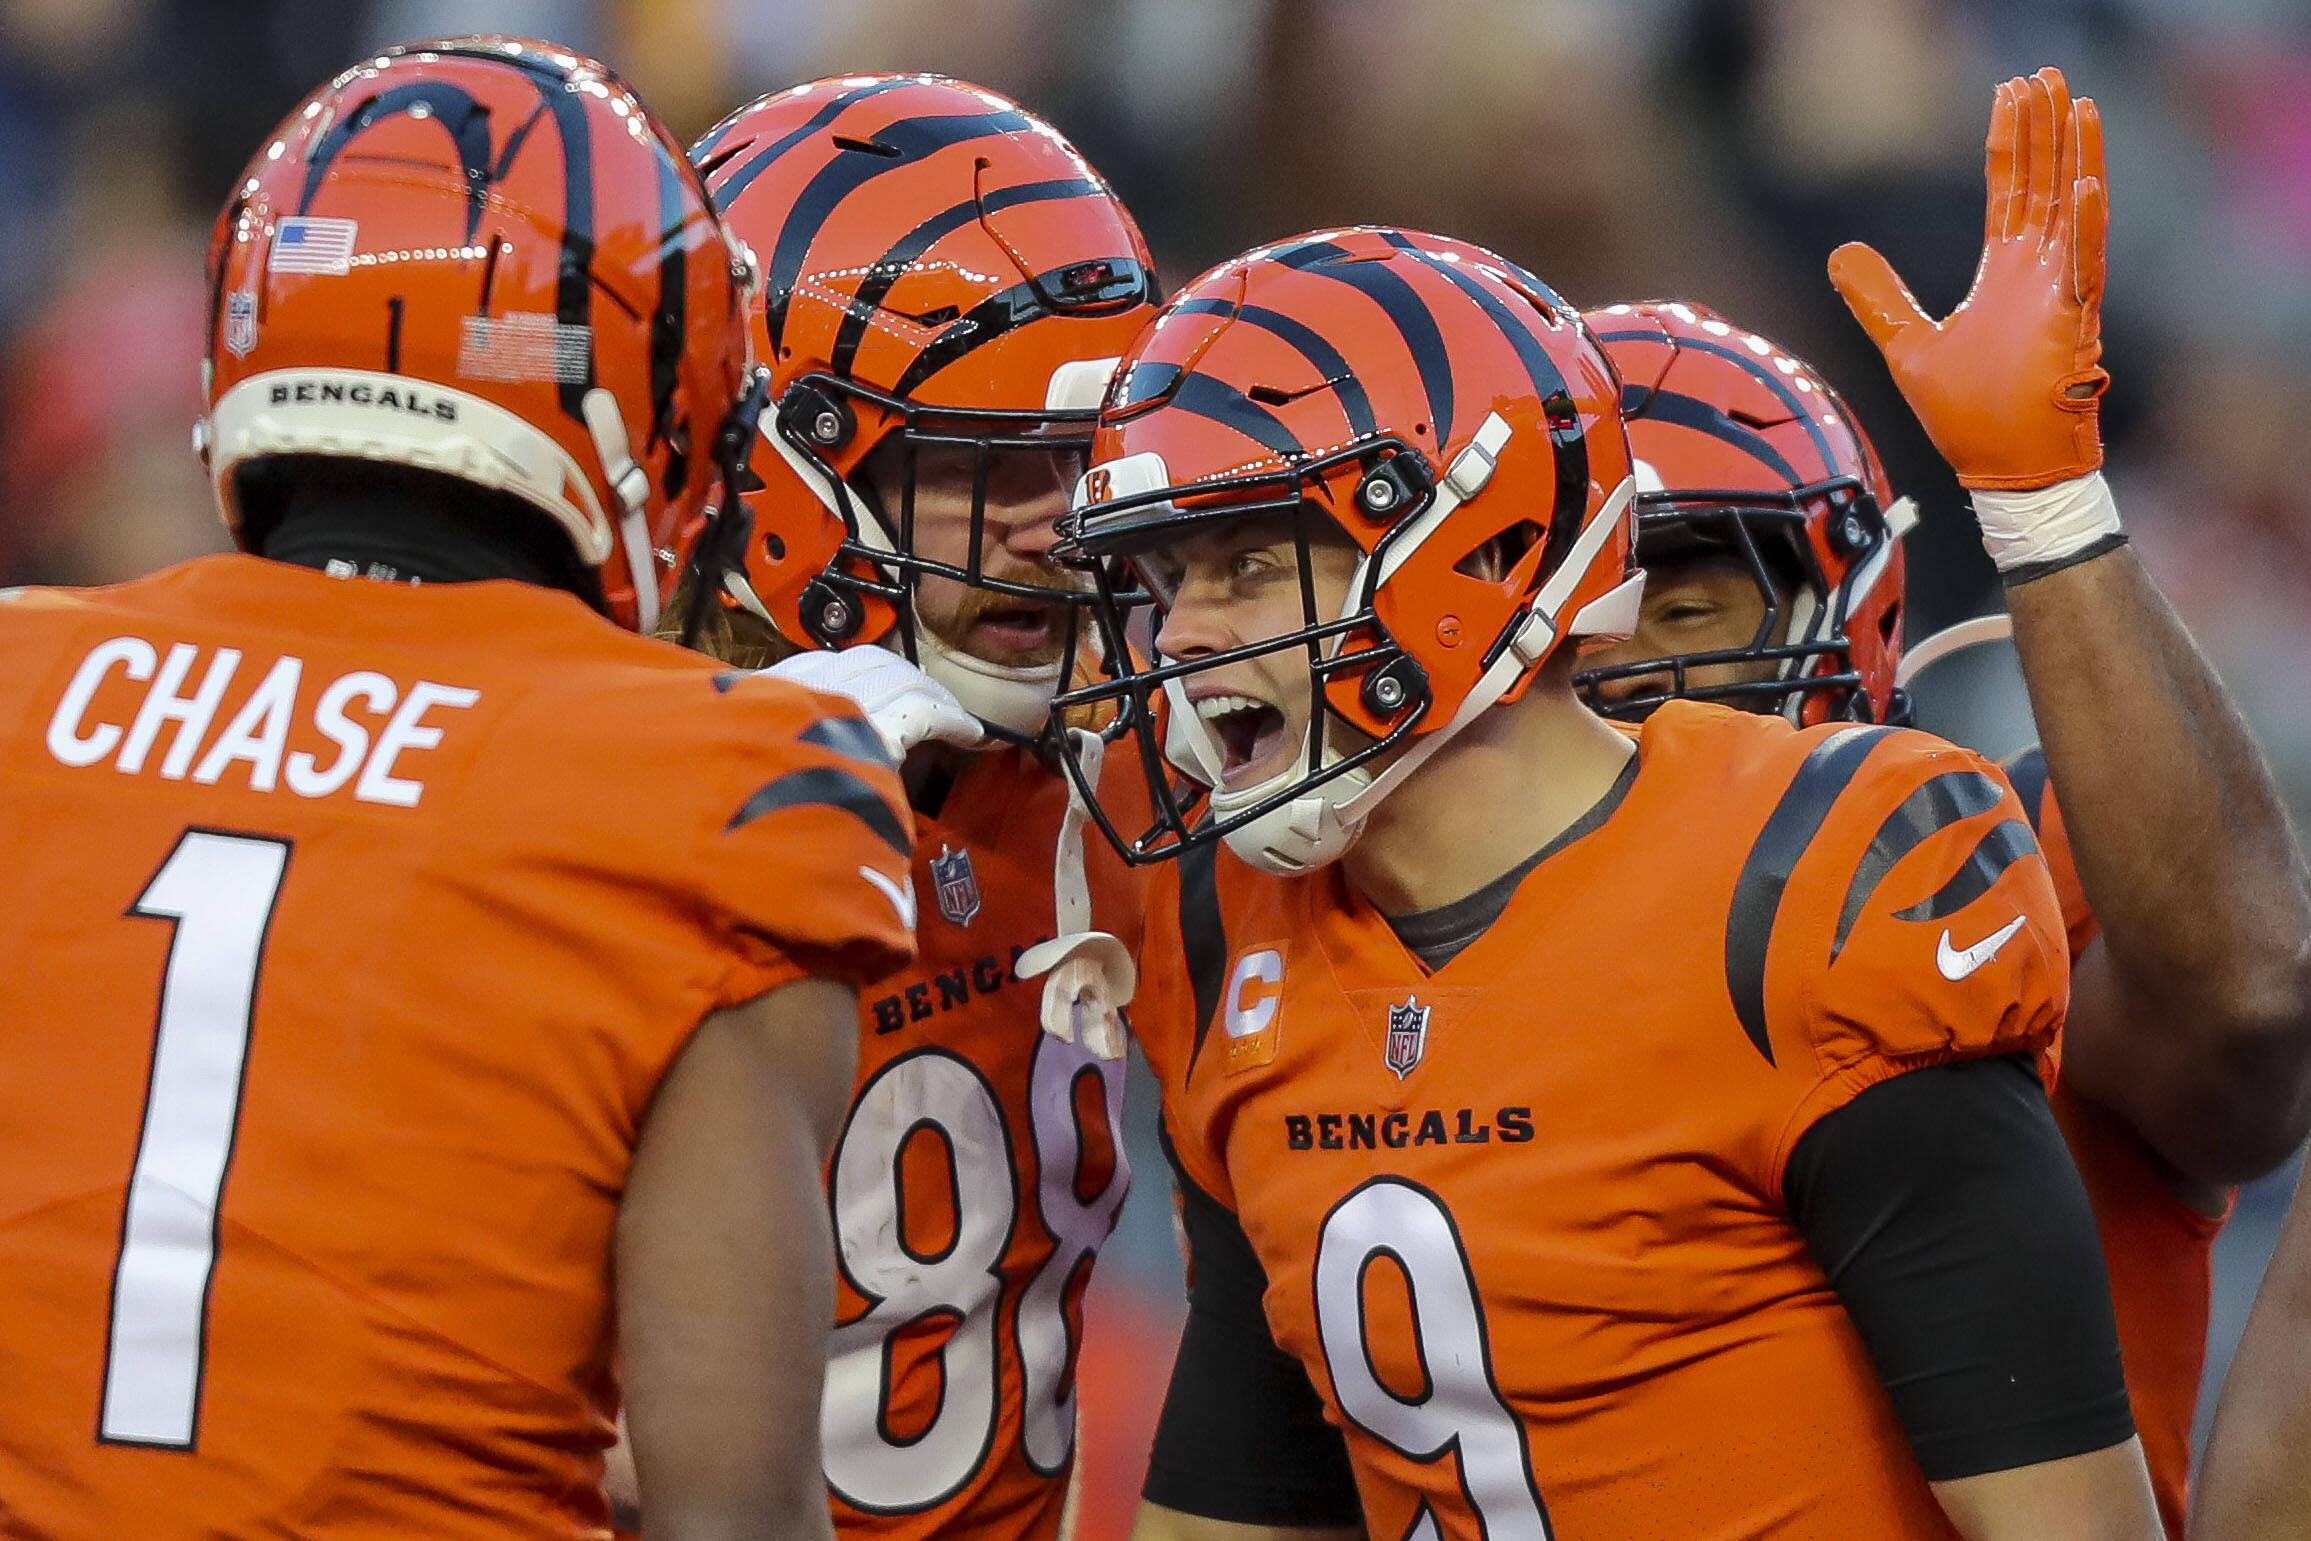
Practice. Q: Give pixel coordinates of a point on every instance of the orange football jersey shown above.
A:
(2160, 1250)
(980, 1169)
(1522, 1218)
(349, 930)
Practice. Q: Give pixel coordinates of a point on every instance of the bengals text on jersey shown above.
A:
(1522, 1219)
(352, 926)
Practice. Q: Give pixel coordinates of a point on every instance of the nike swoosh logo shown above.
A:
(1956, 965)
(902, 897)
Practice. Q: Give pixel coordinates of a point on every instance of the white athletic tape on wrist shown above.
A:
(2023, 529)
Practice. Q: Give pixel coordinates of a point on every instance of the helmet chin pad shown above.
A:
(1298, 836)
(1014, 698)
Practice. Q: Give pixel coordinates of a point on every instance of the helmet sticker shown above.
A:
(304, 243)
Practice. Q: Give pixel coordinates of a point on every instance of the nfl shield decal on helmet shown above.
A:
(956, 885)
(241, 324)
(1407, 1036)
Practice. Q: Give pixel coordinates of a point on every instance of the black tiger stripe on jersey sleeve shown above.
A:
(853, 737)
(826, 786)
(1203, 941)
(1941, 802)
(1757, 893)
(2005, 844)
(2027, 771)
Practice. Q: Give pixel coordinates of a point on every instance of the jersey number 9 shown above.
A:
(1460, 1411)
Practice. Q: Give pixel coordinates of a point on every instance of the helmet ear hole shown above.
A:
(1493, 561)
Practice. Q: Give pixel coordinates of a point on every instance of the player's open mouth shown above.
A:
(1024, 625)
(1248, 731)
(1018, 632)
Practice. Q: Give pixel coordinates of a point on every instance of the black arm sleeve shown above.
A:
(1243, 1436)
(1946, 1211)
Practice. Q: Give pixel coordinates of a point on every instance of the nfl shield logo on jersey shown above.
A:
(956, 884)
(1407, 1036)
(241, 324)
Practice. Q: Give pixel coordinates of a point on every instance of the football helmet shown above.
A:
(943, 276)
(482, 257)
(1743, 452)
(1453, 418)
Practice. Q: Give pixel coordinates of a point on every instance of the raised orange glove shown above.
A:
(2008, 384)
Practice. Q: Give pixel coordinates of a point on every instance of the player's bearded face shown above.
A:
(1699, 606)
(1026, 493)
(1233, 586)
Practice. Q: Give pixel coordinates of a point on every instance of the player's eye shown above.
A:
(1162, 574)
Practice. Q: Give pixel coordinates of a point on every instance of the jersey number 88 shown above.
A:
(959, 1287)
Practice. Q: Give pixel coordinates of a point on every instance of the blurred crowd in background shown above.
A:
(1623, 149)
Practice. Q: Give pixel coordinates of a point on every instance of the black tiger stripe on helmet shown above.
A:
(1450, 417)
(1747, 456)
(503, 222)
(939, 268)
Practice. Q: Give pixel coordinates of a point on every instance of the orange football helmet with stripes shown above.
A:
(1744, 452)
(481, 257)
(1437, 403)
(942, 270)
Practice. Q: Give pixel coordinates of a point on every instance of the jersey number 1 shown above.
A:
(219, 891)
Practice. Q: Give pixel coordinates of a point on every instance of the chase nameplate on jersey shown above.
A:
(956, 885)
(134, 704)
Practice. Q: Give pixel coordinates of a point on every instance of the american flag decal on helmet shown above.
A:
(312, 244)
